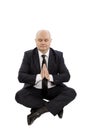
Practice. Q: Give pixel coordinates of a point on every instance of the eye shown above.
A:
(46, 40)
(40, 40)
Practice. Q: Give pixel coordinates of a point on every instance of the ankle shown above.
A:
(43, 109)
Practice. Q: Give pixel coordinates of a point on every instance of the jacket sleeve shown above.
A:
(63, 75)
(24, 75)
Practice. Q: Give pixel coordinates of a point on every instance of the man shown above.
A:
(44, 72)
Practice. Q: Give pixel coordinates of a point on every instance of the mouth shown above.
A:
(43, 46)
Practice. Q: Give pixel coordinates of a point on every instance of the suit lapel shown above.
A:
(51, 62)
(36, 61)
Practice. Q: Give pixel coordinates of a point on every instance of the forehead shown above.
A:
(43, 34)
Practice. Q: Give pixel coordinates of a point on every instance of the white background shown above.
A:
(19, 22)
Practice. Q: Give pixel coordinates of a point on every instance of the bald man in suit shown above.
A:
(43, 72)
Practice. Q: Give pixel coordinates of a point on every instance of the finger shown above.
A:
(46, 74)
(47, 77)
(46, 71)
(45, 66)
(42, 73)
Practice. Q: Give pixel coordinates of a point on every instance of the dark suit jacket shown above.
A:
(30, 67)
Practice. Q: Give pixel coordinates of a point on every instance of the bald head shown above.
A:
(42, 33)
(43, 40)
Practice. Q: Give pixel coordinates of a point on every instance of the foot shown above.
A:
(60, 114)
(33, 110)
(35, 114)
(32, 117)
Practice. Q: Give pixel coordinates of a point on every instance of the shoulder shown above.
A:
(56, 52)
(30, 52)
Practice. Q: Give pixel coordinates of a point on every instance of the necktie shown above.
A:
(44, 81)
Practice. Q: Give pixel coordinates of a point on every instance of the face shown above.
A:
(43, 40)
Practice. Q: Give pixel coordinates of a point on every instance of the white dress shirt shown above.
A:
(38, 83)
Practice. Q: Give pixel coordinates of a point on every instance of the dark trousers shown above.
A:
(57, 97)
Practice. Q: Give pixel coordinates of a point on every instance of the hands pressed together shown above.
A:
(45, 73)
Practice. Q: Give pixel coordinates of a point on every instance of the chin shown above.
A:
(43, 50)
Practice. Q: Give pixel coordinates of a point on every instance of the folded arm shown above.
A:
(24, 76)
(63, 75)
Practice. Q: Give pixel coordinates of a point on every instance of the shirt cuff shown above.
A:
(38, 78)
(51, 78)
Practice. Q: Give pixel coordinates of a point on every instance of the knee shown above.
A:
(17, 97)
(73, 93)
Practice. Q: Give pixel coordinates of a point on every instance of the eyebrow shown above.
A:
(43, 39)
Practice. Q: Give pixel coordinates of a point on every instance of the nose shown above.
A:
(43, 42)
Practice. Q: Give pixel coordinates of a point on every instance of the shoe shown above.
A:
(60, 114)
(35, 114)
(32, 117)
(33, 110)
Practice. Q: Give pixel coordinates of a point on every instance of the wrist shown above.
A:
(38, 78)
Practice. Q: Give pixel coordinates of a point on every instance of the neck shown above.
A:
(44, 52)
